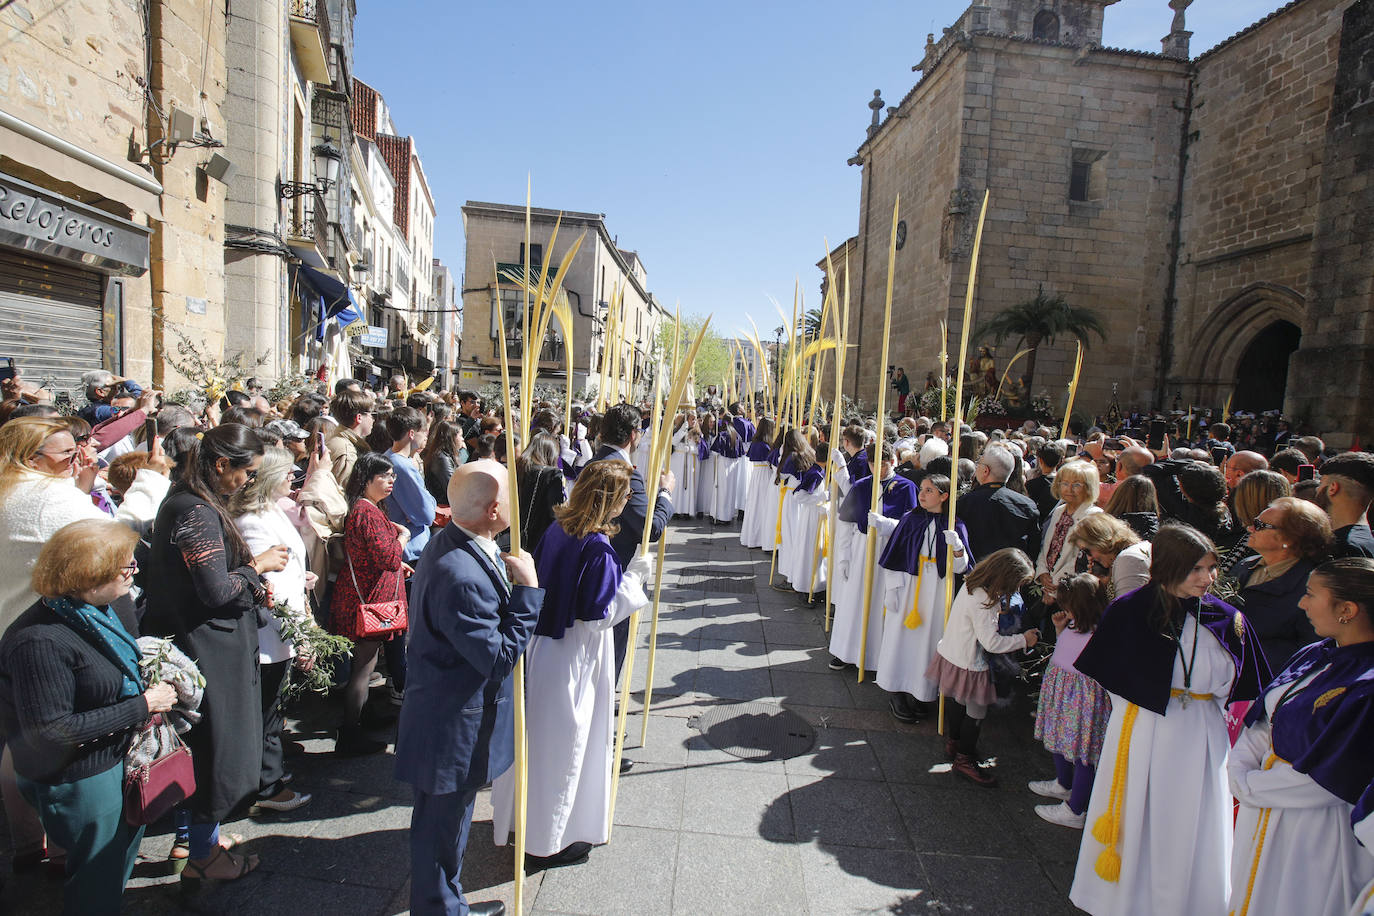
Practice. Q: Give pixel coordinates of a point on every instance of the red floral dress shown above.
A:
(370, 543)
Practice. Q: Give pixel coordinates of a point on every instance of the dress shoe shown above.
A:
(973, 771)
(626, 765)
(354, 742)
(572, 855)
(487, 908)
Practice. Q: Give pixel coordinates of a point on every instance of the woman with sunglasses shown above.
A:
(1290, 538)
(71, 699)
(205, 591)
(373, 571)
(38, 495)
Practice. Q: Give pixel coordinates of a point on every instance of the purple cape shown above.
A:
(788, 468)
(744, 428)
(582, 577)
(758, 451)
(903, 551)
(810, 478)
(1131, 659)
(899, 496)
(773, 456)
(858, 465)
(1326, 729)
(728, 444)
(703, 450)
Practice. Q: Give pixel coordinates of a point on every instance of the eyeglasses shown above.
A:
(1261, 525)
(130, 569)
(63, 459)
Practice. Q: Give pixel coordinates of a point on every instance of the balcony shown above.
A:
(310, 38)
(551, 352)
(307, 224)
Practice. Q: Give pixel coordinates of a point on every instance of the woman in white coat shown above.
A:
(1075, 486)
(264, 525)
(570, 673)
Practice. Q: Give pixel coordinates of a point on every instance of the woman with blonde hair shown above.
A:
(1075, 486)
(1112, 545)
(570, 671)
(39, 494)
(72, 698)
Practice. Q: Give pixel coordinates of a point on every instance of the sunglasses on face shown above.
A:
(1261, 525)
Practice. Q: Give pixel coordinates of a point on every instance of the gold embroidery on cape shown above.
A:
(1327, 698)
(1239, 624)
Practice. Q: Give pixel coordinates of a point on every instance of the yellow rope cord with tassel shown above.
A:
(913, 620)
(1107, 828)
(1260, 830)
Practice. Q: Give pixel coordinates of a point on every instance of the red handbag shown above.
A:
(154, 789)
(380, 619)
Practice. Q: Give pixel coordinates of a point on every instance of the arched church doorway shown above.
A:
(1262, 373)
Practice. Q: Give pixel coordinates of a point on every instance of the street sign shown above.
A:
(372, 336)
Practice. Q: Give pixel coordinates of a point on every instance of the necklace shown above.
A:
(1191, 664)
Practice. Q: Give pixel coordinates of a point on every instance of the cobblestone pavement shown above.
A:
(871, 821)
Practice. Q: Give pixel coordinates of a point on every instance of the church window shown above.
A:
(1088, 174)
(1078, 180)
(1046, 26)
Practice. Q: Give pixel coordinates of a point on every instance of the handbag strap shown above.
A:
(534, 499)
(354, 576)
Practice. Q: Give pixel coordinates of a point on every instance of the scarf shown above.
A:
(102, 629)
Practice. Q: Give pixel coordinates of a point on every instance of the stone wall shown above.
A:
(187, 253)
(1010, 116)
(1257, 134)
(1331, 383)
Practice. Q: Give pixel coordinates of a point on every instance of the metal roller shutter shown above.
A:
(51, 320)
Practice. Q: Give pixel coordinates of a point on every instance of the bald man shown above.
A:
(472, 610)
(1240, 464)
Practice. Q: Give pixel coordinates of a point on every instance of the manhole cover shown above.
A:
(756, 731)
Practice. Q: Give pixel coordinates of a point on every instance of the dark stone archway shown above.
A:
(1262, 373)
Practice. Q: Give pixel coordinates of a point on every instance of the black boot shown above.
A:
(353, 741)
(966, 761)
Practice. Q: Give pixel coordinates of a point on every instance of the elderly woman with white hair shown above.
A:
(1076, 487)
(264, 525)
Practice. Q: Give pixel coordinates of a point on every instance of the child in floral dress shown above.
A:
(1073, 713)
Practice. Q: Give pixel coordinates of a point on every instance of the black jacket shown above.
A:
(540, 493)
(1273, 612)
(59, 701)
(631, 520)
(998, 517)
(1041, 490)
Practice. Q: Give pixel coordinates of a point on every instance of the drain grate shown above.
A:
(756, 731)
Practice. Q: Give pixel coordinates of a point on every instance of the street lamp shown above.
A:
(327, 157)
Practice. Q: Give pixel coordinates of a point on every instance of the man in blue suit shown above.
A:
(472, 610)
(620, 432)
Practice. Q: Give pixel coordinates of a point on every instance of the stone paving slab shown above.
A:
(870, 821)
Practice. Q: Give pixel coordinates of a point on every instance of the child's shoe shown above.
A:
(1049, 788)
(1061, 814)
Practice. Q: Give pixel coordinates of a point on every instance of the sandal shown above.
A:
(192, 874)
(181, 849)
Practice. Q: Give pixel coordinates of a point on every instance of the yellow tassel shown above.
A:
(1103, 829)
(1109, 865)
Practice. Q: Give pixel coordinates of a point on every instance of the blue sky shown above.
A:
(712, 135)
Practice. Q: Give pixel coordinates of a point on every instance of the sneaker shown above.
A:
(837, 665)
(285, 800)
(1049, 788)
(1062, 815)
(903, 710)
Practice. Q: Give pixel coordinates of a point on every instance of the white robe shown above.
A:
(728, 475)
(806, 516)
(707, 469)
(846, 631)
(686, 470)
(569, 718)
(1304, 824)
(641, 456)
(907, 652)
(757, 529)
(743, 483)
(1175, 832)
(784, 509)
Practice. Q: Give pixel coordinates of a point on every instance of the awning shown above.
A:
(332, 299)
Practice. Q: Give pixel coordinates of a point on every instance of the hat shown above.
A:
(286, 429)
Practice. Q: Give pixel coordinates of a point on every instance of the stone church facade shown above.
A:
(1215, 211)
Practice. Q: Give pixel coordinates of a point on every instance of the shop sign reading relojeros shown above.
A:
(47, 223)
